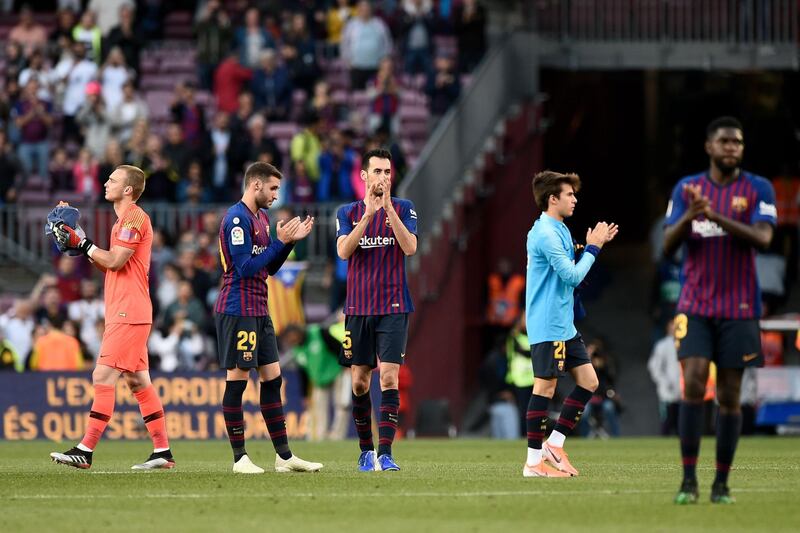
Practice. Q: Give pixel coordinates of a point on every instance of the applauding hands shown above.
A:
(295, 229)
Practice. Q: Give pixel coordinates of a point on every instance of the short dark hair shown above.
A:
(260, 171)
(380, 153)
(722, 122)
(548, 183)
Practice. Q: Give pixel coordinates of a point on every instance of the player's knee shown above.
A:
(591, 384)
(694, 388)
(728, 401)
(389, 381)
(133, 382)
(360, 387)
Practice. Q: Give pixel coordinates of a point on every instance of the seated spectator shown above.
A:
(16, 326)
(416, 26)
(28, 33)
(251, 39)
(94, 121)
(299, 52)
(62, 33)
(365, 42)
(113, 75)
(336, 167)
(38, 68)
(167, 291)
(88, 32)
(229, 79)
(248, 149)
(10, 361)
(86, 175)
(272, 87)
(33, 118)
(384, 92)
(470, 28)
(190, 115)
(136, 147)
(244, 112)
(191, 190)
(161, 254)
(444, 87)
(61, 171)
(75, 71)
(187, 263)
(306, 146)
(186, 306)
(125, 37)
(54, 350)
(339, 13)
(11, 171)
(176, 149)
(214, 37)
(70, 271)
(160, 174)
(299, 185)
(220, 169)
(130, 110)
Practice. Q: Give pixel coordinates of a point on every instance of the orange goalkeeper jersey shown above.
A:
(127, 291)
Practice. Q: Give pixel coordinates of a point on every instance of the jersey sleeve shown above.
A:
(409, 216)
(343, 224)
(765, 209)
(676, 206)
(239, 238)
(132, 229)
(570, 273)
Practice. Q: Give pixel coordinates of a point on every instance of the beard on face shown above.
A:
(724, 166)
(379, 191)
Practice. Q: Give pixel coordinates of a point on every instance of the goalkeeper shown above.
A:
(129, 316)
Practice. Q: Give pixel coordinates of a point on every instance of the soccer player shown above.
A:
(128, 318)
(556, 346)
(722, 215)
(375, 235)
(245, 334)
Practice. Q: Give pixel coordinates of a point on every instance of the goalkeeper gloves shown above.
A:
(67, 237)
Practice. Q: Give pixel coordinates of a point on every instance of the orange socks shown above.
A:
(100, 414)
(153, 414)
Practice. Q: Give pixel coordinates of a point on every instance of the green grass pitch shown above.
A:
(445, 485)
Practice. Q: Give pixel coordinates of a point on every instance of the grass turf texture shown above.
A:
(459, 485)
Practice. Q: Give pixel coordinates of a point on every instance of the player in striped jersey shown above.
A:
(722, 216)
(375, 235)
(245, 335)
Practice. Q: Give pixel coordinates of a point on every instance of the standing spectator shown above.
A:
(272, 87)
(244, 112)
(160, 176)
(247, 150)
(365, 42)
(167, 291)
(28, 33)
(229, 79)
(126, 38)
(37, 68)
(88, 32)
(199, 279)
(323, 105)
(221, 145)
(416, 26)
(306, 146)
(214, 37)
(11, 171)
(76, 72)
(16, 326)
(62, 33)
(130, 110)
(190, 115)
(336, 18)
(665, 371)
(55, 350)
(299, 52)
(444, 87)
(33, 118)
(385, 95)
(336, 166)
(85, 175)
(88, 311)
(51, 310)
(108, 12)
(94, 121)
(191, 190)
(61, 172)
(112, 158)
(177, 150)
(113, 75)
(136, 147)
(69, 273)
(186, 306)
(469, 20)
(251, 39)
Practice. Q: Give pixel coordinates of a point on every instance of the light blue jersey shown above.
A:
(551, 280)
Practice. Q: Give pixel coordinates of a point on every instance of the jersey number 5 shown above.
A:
(244, 337)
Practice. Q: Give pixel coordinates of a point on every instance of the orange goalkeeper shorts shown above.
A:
(124, 347)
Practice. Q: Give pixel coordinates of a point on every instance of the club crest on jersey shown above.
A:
(739, 204)
(247, 356)
(237, 236)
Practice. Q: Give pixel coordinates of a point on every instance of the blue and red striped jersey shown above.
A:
(719, 272)
(248, 256)
(376, 274)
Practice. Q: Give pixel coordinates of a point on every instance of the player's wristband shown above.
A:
(87, 247)
(592, 249)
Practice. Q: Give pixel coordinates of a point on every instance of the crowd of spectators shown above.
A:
(72, 104)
